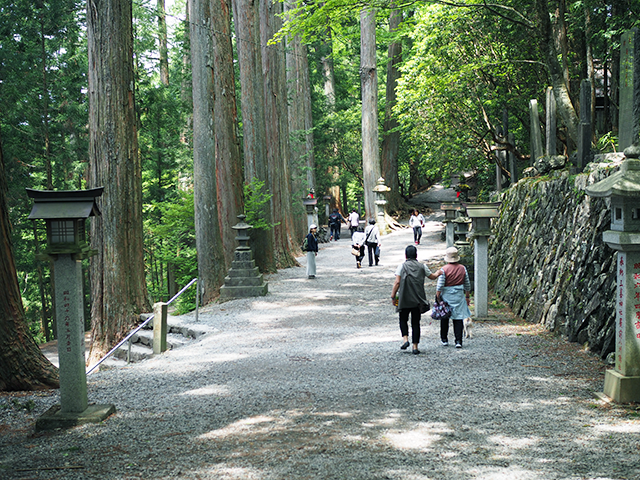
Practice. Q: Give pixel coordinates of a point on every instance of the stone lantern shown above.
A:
(65, 213)
(244, 278)
(380, 190)
(622, 384)
(450, 214)
(481, 215)
(312, 212)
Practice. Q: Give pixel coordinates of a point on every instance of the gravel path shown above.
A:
(309, 383)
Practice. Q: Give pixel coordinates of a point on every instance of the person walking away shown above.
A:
(409, 287)
(335, 221)
(416, 221)
(354, 221)
(357, 241)
(454, 288)
(372, 240)
(312, 250)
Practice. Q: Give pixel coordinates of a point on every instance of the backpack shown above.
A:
(334, 219)
(305, 244)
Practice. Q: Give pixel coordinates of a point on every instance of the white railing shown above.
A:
(142, 325)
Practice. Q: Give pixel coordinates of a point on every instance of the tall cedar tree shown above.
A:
(117, 272)
(211, 265)
(22, 364)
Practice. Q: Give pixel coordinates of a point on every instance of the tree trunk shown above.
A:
(564, 105)
(162, 44)
(391, 142)
(246, 16)
(228, 160)
(277, 130)
(117, 272)
(369, 85)
(300, 128)
(211, 259)
(22, 364)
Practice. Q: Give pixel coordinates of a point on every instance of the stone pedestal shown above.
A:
(244, 279)
(450, 230)
(160, 327)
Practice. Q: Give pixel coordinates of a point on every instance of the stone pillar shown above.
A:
(70, 315)
(481, 275)
(629, 116)
(379, 190)
(536, 135)
(552, 137)
(160, 327)
(584, 129)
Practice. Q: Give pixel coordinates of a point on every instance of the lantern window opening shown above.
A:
(635, 214)
(618, 213)
(62, 231)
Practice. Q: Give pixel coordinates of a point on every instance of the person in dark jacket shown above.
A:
(312, 250)
(409, 287)
(335, 223)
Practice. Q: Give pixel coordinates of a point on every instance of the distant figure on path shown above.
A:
(357, 241)
(372, 241)
(416, 221)
(354, 221)
(454, 287)
(409, 286)
(335, 222)
(312, 250)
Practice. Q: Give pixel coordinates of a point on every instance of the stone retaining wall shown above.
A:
(548, 260)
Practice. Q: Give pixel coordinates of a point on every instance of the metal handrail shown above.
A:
(137, 329)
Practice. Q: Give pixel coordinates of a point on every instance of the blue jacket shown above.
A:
(312, 243)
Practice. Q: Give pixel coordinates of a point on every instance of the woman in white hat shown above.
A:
(454, 288)
(312, 250)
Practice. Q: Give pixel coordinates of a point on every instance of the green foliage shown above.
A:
(256, 199)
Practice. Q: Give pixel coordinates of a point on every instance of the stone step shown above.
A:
(243, 281)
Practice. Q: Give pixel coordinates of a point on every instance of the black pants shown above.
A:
(371, 248)
(415, 323)
(360, 256)
(457, 330)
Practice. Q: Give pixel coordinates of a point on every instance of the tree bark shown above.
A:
(228, 160)
(246, 16)
(564, 105)
(22, 364)
(300, 127)
(211, 259)
(391, 141)
(162, 44)
(277, 130)
(117, 272)
(369, 86)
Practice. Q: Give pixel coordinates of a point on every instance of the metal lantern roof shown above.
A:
(61, 204)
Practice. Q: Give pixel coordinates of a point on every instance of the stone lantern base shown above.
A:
(54, 418)
(244, 279)
(620, 388)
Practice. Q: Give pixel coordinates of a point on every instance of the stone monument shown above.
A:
(552, 138)
(622, 384)
(584, 129)
(536, 135)
(629, 115)
(481, 215)
(65, 213)
(244, 279)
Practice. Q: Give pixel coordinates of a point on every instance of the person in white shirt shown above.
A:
(353, 220)
(372, 241)
(416, 222)
(357, 241)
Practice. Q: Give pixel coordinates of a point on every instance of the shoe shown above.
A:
(415, 351)
(331, 238)
(312, 276)
(358, 265)
(404, 346)
(458, 345)
(445, 343)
